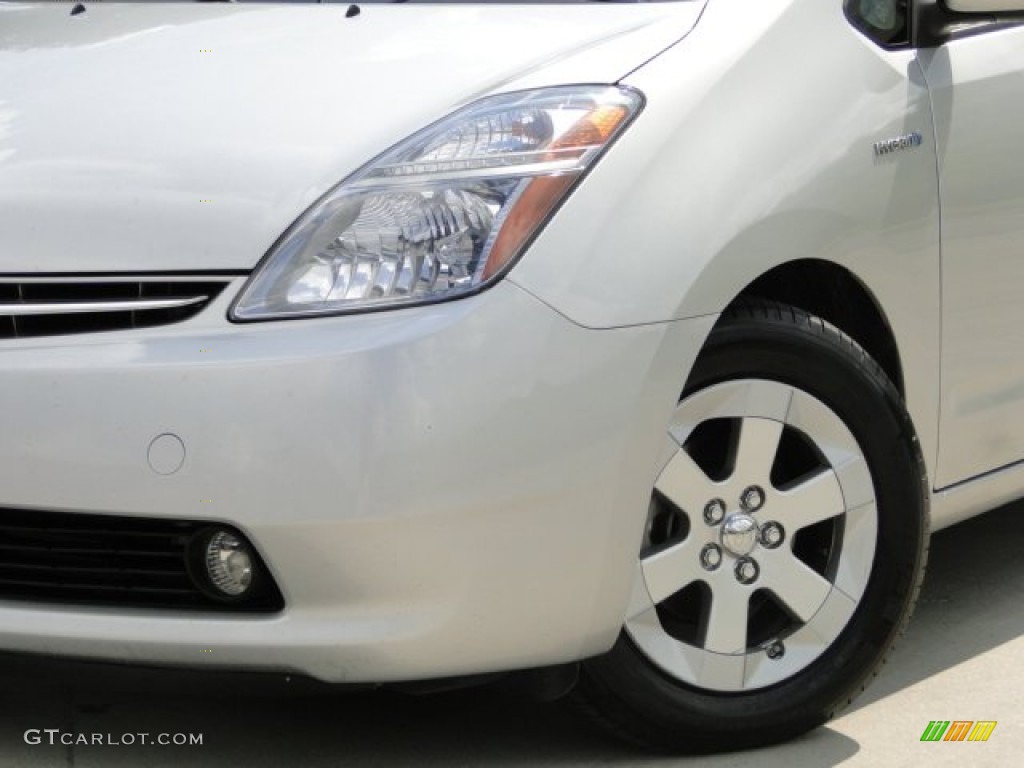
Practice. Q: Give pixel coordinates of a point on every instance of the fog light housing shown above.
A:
(224, 565)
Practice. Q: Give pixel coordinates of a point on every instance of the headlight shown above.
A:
(445, 212)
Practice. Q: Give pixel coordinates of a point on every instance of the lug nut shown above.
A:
(710, 557)
(746, 571)
(772, 535)
(752, 499)
(714, 512)
(775, 650)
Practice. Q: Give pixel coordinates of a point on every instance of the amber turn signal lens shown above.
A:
(529, 211)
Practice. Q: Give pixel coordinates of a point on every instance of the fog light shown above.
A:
(229, 565)
(227, 572)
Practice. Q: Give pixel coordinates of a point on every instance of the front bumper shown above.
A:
(437, 491)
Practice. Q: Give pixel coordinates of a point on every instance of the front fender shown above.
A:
(756, 148)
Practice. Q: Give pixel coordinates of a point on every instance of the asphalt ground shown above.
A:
(962, 659)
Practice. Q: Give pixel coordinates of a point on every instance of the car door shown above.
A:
(977, 85)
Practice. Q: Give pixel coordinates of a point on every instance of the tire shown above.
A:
(787, 413)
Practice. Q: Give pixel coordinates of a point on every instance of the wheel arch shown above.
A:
(835, 294)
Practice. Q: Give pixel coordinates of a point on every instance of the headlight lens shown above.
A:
(444, 212)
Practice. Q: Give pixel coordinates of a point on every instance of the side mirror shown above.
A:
(985, 6)
(936, 22)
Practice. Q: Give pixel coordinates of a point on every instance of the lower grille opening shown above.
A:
(107, 560)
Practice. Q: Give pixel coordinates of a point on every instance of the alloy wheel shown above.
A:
(760, 537)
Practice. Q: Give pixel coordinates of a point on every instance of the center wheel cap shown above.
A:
(740, 534)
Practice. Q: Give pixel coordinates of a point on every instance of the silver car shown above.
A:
(640, 345)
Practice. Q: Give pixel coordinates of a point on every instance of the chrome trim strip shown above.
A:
(68, 278)
(82, 307)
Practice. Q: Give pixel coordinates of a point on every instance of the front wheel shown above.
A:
(784, 547)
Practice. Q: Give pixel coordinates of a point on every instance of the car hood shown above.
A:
(189, 136)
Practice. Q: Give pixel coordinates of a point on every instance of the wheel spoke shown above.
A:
(813, 500)
(859, 540)
(727, 620)
(668, 571)
(676, 658)
(831, 619)
(828, 432)
(801, 589)
(756, 448)
(684, 483)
